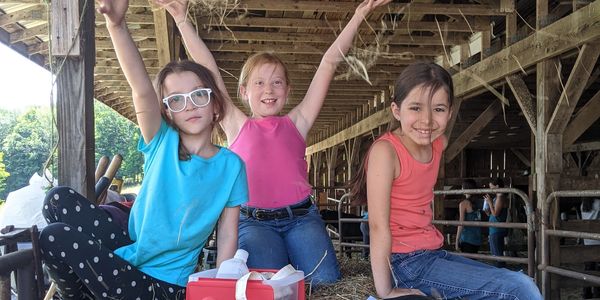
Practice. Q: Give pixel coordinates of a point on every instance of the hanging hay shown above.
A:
(361, 59)
(356, 283)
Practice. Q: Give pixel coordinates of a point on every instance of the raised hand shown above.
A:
(176, 8)
(368, 6)
(113, 11)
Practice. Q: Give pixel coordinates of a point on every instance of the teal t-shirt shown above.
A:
(179, 205)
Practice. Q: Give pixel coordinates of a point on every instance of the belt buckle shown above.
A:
(260, 214)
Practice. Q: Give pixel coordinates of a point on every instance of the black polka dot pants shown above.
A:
(77, 249)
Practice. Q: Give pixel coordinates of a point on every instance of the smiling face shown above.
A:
(423, 115)
(192, 120)
(266, 90)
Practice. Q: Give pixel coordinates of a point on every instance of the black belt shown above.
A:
(297, 210)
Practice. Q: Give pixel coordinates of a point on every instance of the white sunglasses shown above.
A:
(177, 102)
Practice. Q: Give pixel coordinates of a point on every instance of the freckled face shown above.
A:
(423, 119)
(266, 90)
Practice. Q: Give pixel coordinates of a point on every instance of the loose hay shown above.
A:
(356, 283)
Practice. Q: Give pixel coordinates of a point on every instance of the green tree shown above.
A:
(7, 121)
(117, 135)
(27, 147)
(3, 174)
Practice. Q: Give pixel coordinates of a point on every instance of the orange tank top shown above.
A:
(411, 199)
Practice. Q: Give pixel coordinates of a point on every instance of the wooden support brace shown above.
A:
(524, 99)
(475, 127)
(587, 115)
(573, 88)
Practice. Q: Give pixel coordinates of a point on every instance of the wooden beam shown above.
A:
(567, 33)
(467, 135)
(163, 36)
(377, 119)
(591, 146)
(309, 49)
(36, 13)
(524, 99)
(574, 88)
(526, 161)
(336, 7)
(586, 116)
(313, 38)
(75, 104)
(27, 33)
(458, 25)
(559, 37)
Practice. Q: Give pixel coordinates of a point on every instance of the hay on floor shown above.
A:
(356, 283)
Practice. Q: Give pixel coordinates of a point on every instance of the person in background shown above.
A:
(590, 210)
(497, 210)
(468, 239)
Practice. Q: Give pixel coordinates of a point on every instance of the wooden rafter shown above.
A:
(573, 88)
(587, 115)
(524, 99)
(467, 135)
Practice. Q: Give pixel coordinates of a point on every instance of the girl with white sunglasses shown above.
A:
(189, 185)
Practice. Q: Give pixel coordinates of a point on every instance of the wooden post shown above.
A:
(75, 93)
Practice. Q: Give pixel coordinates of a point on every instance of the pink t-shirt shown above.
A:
(411, 198)
(273, 151)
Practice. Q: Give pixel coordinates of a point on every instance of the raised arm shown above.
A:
(145, 102)
(380, 174)
(234, 118)
(305, 113)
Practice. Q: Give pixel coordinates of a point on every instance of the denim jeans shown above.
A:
(449, 276)
(299, 240)
(497, 246)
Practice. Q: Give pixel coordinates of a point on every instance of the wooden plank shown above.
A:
(571, 31)
(373, 121)
(75, 105)
(525, 160)
(458, 25)
(524, 99)
(65, 16)
(28, 33)
(319, 38)
(163, 36)
(586, 116)
(476, 126)
(578, 183)
(36, 13)
(336, 7)
(559, 37)
(591, 146)
(573, 88)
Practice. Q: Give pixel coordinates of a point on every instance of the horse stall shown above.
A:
(527, 103)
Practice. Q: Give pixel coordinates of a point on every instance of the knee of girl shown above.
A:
(53, 197)
(324, 277)
(525, 286)
(51, 235)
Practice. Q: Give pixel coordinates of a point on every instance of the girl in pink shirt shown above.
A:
(399, 174)
(280, 225)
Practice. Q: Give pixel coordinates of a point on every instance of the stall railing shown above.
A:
(528, 226)
(546, 232)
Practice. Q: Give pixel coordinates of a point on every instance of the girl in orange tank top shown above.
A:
(397, 181)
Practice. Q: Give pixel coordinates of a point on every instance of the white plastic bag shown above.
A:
(23, 207)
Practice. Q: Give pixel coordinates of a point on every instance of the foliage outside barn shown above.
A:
(27, 139)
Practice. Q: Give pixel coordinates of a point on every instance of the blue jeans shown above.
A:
(449, 276)
(299, 240)
(497, 246)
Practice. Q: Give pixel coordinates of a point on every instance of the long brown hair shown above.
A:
(206, 76)
(427, 75)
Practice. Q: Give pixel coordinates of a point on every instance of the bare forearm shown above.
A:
(380, 261)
